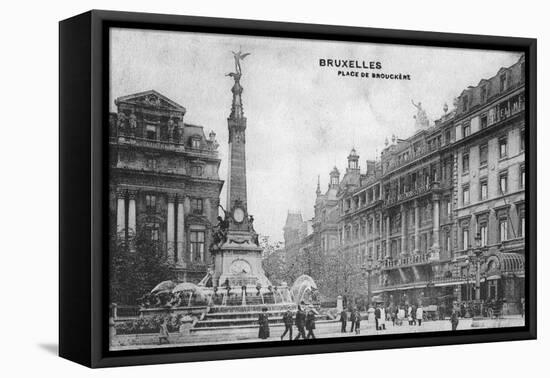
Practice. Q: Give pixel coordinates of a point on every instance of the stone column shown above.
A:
(121, 211)
(416, 227)
(388, 246)
(403, 230)
(436, 223)
(170, 227)
(180, 236)
(367, 236)
(132, 212)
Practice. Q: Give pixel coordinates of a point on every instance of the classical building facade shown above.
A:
(419, 214)
(164, 182)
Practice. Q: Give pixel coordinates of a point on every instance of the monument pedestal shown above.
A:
(238, 262)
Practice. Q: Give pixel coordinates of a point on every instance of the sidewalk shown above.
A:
(323, 330)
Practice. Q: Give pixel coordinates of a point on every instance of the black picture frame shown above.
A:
(83, 104)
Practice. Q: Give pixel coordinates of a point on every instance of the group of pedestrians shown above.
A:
(355, 320)
(304, 322)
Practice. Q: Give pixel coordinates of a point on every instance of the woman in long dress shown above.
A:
(263, 321)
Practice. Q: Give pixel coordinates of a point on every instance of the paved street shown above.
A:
(323, 330)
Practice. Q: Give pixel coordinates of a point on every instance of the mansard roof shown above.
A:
(150, 98)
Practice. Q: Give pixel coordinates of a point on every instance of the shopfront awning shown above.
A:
(503, 264)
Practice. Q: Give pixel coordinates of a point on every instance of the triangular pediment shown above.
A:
(150, 99)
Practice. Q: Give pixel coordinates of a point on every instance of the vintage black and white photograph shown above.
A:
(285, 189)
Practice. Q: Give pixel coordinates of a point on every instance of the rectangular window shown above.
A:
(152, 232)
(448, 241)
(151, 202)
(465, 163)
(466, 130)
(522, 177)
(151, 132)
(465, 194)
(503, 229)
(483, 234)
(464, 103)
(197, 245)
(503, 182)
(483, 93)
(522, 225)
(484, 121)
(465, 238)
(151, 163)
(483, 189)
(503, 147)
(196, 205)
(483, 151)
(522, 140)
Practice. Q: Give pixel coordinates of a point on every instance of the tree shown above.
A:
(135, 268)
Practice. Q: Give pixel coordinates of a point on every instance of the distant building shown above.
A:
(164, 181)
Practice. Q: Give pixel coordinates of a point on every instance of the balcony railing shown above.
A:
(417, 259)
(394, 197)
(150, 143)
(413, 154)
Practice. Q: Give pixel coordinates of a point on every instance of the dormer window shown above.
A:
(465, 103)
(503, 82)
(196, 142)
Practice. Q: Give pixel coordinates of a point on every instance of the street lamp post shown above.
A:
(478, 253)
(368, 269)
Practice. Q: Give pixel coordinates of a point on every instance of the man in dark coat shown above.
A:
(343, 320)
(310, 324)
(357, 321)
(263, 321)
(352, 318)
(377, 316)
(454, 320)
(287, 320)
(300, 323)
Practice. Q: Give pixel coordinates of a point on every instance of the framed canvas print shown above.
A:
(233, 188)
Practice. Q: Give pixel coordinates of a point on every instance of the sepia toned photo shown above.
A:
(268, 189)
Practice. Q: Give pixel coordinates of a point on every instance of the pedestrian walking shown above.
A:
(377, 316)
(343, 320)
(352, 319)
(310, 324)
(419, 315)
(288, 321)
(409, 314)
(357, 322)
(413, 315)
(163, 332)
(300, 323)
(263, 321)
(454, 320)
(382, 321)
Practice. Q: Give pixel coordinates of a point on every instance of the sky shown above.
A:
(302, 119)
